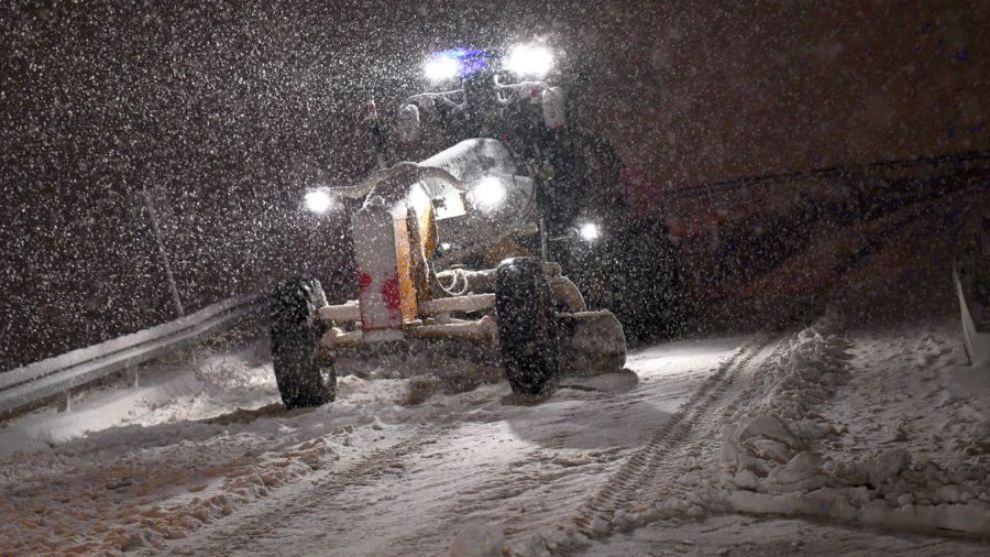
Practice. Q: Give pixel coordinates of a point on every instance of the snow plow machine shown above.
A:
(416, 227)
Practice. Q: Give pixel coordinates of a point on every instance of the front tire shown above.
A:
(527, 327)
(303, 377)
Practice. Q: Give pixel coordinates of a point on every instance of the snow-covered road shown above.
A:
(177, 463)
(523, 467)
(202, 460)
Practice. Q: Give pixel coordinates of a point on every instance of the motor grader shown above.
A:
(419, 224)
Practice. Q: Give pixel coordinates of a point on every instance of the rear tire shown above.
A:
(303, 377)
(527, 327)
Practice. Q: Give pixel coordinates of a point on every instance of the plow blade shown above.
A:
(591, 342)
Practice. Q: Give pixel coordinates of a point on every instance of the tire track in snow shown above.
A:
(523, 495)
(704, 454)
(526, 470)
(541, 490)
(624, 490)
(293, 503)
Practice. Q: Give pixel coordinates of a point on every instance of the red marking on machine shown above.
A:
(390, 293)
(379, 298)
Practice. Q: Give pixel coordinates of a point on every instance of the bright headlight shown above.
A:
(441, 68)
(488, 195)
(318, 201)
(589, 232)
(529, 60)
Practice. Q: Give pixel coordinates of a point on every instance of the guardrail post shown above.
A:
(65, 403)
(134, 375)
(172, 288)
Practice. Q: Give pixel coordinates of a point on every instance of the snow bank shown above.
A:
(478, 540)
(768, 446)
(201, 439)
(880, 427)
(199, 386)
(844, 436)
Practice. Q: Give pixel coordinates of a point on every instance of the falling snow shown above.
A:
(784, 206)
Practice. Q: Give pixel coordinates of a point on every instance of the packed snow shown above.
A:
(173, 458)
(880, 427)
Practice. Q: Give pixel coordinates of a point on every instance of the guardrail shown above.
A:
(45, 379)
(977, 342)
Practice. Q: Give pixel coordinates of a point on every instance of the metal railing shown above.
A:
(59, 375)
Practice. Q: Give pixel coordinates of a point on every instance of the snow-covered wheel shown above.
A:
(304, 378)
(527, 326)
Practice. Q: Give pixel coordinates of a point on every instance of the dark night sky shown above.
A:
(227, 111)
(756, 88)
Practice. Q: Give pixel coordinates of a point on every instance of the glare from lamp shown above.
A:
(441, 68)
(489, 194)
(529, 60)
(589, 232)
(318, 201)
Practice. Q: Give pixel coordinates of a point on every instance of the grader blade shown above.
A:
(591, 342)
